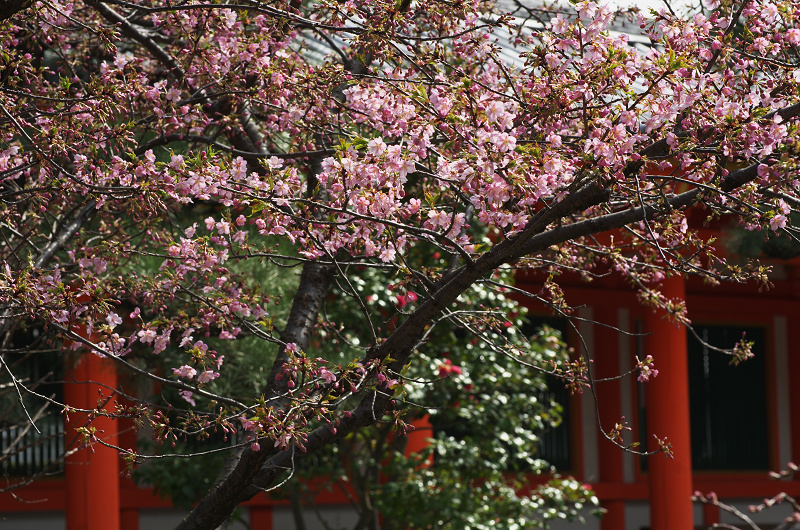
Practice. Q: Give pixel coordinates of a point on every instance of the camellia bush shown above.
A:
(158, 159)
(482, 422)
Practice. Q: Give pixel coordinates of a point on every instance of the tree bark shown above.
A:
(9, 8)
(218, 504)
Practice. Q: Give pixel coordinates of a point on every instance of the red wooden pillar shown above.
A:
(710, 515)
(668, 417)
(261, 517)
(793, 353)
(606, 365)
(129, 519)
(92, 473)
(127, 439)
(417, 440)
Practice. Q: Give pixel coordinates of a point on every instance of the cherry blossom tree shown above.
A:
(155, 156)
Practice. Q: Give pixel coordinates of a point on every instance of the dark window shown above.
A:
(554, 447)
(24, 451)
(728, 403)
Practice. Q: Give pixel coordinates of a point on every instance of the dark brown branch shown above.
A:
(241, 470)
(136, 34)
(401, 343)
(248, 155)
(57, 241)
(9, 8)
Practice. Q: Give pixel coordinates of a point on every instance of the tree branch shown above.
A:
(9, 8)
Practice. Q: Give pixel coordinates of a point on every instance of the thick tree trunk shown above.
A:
(218, 504)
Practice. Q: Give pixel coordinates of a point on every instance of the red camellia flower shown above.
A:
(401, 301)
(448, 368)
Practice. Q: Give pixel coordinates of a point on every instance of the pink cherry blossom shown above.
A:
(207, 376)
(185, 371)
(147, 336)
(188, 396)
(777, 222)
(113, 320)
